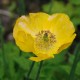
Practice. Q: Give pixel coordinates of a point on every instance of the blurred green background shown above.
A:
(14, 64)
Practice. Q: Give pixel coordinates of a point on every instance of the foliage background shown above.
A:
(14, 64)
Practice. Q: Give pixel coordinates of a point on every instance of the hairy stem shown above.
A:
(72, 72)
(30, 70)
(38, 73)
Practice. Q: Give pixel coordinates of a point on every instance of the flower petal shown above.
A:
(66, 44)
(61, 26)
(41, 57)
(22, 35)
(39, 21)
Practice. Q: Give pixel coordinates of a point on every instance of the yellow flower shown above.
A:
(43, 34)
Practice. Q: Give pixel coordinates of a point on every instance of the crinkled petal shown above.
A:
(67, 43)
(63, 29)
(39, 21)
(22, 35)
(41, 57)
(61, 26)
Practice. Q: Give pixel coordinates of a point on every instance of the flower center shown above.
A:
(45, 40)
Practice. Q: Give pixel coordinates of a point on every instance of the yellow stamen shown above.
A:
(45, 40)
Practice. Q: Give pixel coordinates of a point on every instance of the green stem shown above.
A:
(72, 72)
(38, 73)
(30, 70)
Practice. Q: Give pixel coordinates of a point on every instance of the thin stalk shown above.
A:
(38, 73)
(30, 70)
(72, 72)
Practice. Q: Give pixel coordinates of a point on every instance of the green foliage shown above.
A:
(18, 66)
(17, 63)
(21, 7)
(59, 7)
(68, 8)
(75, 2)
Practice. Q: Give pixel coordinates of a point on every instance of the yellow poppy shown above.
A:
(43, 34)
